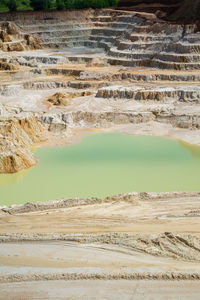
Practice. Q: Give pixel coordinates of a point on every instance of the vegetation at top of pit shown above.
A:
(25, 5)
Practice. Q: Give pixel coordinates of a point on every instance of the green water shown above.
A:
(105, 164)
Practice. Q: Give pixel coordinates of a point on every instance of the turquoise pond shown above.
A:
(105, 164)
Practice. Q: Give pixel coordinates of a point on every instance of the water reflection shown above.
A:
(193, 150)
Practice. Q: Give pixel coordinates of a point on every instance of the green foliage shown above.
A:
(4, 3)
(113, 2)
(99, 3)
(60, 4)
(23, 5)
(68, 4)
(40, 4)
(81, 4)
(3, 7)
(53, 4)
(12, 5)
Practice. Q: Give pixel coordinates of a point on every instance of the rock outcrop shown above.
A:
(17, 135)
(176, 10)
(188, 11)
(4, 65)
(156, 94)
(117, 68)
(59, 99)
(166, 6)
(64, 99)
(13, 39)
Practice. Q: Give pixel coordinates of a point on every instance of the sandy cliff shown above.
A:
(17, 135)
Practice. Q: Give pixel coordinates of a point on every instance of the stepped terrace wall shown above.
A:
(31, 16)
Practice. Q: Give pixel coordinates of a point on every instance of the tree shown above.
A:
(99, 3)
(71, 4)
(60, 4)
(113, 2)
(81, 4)
(68, 4)
(12, 5)
(40, 4)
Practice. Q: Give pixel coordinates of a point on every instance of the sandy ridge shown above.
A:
(126, 276)
(66, 203)
(172, 245)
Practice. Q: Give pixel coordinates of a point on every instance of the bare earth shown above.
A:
(172, 212)
(64, 74)
(86, 289)
(117, 246)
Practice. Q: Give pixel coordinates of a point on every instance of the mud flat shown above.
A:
(95, 242)
(131, 213)
(86, 289)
